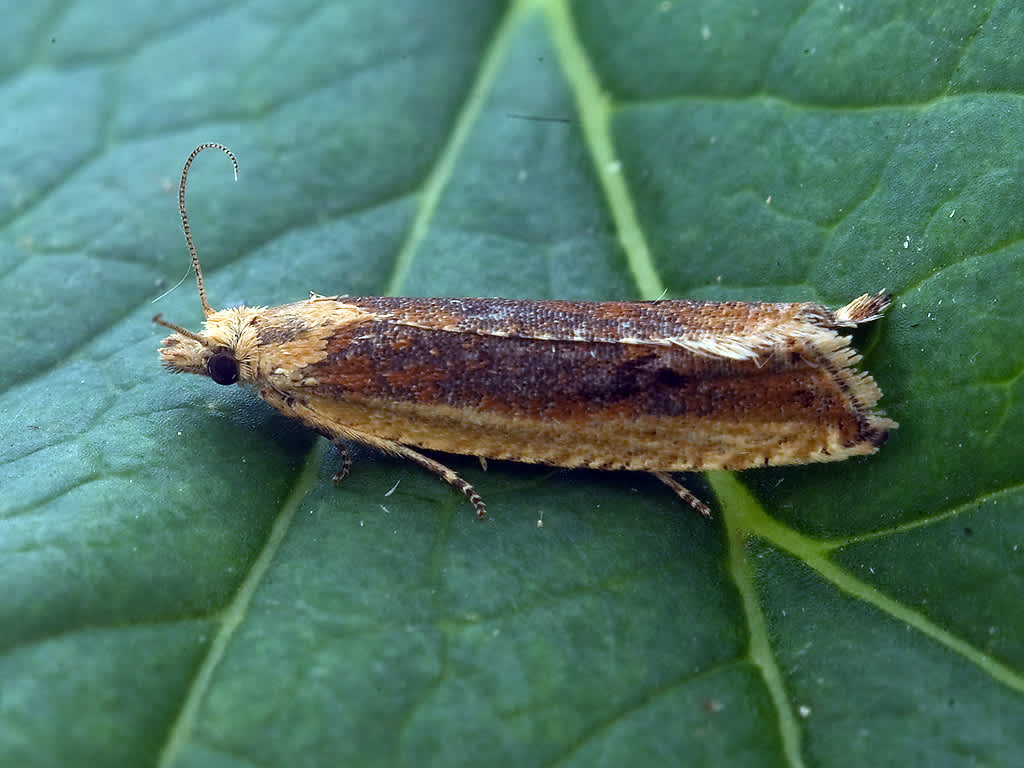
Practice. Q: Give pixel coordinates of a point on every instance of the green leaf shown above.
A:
(180, 583)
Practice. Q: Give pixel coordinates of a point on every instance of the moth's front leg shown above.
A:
(295, 408)
(346, 462)
(447, 474)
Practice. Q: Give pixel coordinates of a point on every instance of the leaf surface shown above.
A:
(183, 586)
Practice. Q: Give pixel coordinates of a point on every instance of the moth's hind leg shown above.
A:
(683, 493)
(446, 474)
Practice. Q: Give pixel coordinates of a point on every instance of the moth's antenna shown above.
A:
(207, 309)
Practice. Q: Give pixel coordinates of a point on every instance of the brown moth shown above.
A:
(651, 386)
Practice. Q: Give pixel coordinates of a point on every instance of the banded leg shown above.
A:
(684, 493)
(446, 474)
(346, 463)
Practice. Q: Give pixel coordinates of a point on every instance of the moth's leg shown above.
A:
(446, 474)
(683, 493)
(346, 462)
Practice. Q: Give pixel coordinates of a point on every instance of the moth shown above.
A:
(649, 386)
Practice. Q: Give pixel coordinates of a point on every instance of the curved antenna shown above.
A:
(207, 309)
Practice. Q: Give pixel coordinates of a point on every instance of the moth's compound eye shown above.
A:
(223, 368)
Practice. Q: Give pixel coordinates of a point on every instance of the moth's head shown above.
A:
(225, 350)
